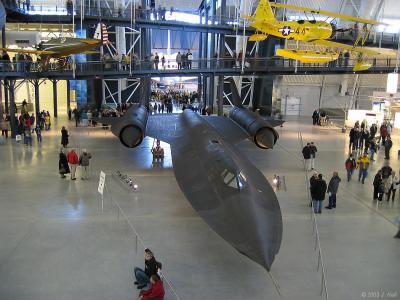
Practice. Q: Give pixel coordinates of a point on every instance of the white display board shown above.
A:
(370, 116)
(291, 106)
(397, 120)
(102, 181)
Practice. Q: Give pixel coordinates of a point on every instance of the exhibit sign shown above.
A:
(291, 106)
(102, 181)
(391, 84)
(397, 120)
(359, 115)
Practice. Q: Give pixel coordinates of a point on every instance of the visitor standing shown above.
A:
(372, 148)
(73, 162)
(350, 165)
(38, 131)
(319, 192)
(315, 117)
(397, 221)
(84, 163)
(63, 167)
(378, 186)
(313, 151)
(388, 145)
(64, 137)
(189, 59)
(156, 61)
(333, 187)
(179, 60)
(363, 165)
(307, 157)
(392, 186)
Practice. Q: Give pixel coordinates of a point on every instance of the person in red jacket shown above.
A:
(73, 162)
(350, 165)
(156, 291)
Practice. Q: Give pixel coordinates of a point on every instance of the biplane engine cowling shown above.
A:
(131, 131)
(261, 132)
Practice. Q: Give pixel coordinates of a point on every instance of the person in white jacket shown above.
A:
(391, 186)
(398, 224)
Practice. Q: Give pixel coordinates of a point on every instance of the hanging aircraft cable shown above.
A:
(244, 44)
(131, 50)
(396, 70)
(73, 28)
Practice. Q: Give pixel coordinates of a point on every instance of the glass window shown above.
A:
(233, 180)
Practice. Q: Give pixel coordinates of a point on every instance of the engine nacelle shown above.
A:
(131, 129)
(262, 133)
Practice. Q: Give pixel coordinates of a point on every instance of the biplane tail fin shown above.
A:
(264, 11)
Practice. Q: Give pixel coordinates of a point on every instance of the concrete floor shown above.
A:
(56, 243)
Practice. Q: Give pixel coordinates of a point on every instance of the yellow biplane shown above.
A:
(310, 31)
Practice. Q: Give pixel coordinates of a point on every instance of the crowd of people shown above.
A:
(364, 144)
(69, 162)
(27, 125)
(20, 62)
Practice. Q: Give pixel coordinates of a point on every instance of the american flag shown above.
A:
(104, 33)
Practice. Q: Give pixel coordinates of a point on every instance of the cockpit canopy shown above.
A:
(237, 181)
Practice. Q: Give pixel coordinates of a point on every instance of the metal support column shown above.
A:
(205, 46)
(37, 105)
(321, 91)
(213, 35)
(13, 110)
(3, 45)
(211, 91)
(199, 78)
(6, 96)
(221, 55)
(68, 95)
(55, 106)
(220, 95)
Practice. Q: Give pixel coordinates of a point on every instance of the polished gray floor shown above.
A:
(57, 243)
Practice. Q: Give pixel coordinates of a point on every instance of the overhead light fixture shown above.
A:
(391, 84)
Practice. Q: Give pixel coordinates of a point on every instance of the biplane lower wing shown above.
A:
(307, 56)
(26, 51)
(336, 45)
(257, 37)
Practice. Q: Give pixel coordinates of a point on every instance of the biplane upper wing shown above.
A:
(26, 51)
(326, 13)
(331, 44)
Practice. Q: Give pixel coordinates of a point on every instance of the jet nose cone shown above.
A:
(260, 227)
(265, 138)
(268, 231)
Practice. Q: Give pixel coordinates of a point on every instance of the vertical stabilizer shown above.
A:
(264, 12)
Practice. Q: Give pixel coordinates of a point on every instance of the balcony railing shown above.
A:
(217, 65)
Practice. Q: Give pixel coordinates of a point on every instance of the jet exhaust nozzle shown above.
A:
(131, 128)
(131, 136)
(262, 133)
(265, 138)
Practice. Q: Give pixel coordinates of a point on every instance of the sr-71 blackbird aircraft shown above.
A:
(229, 193)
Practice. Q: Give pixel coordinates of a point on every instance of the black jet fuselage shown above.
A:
(227, 190)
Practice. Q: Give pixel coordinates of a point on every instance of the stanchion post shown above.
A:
(102, 202)
(136, 243)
